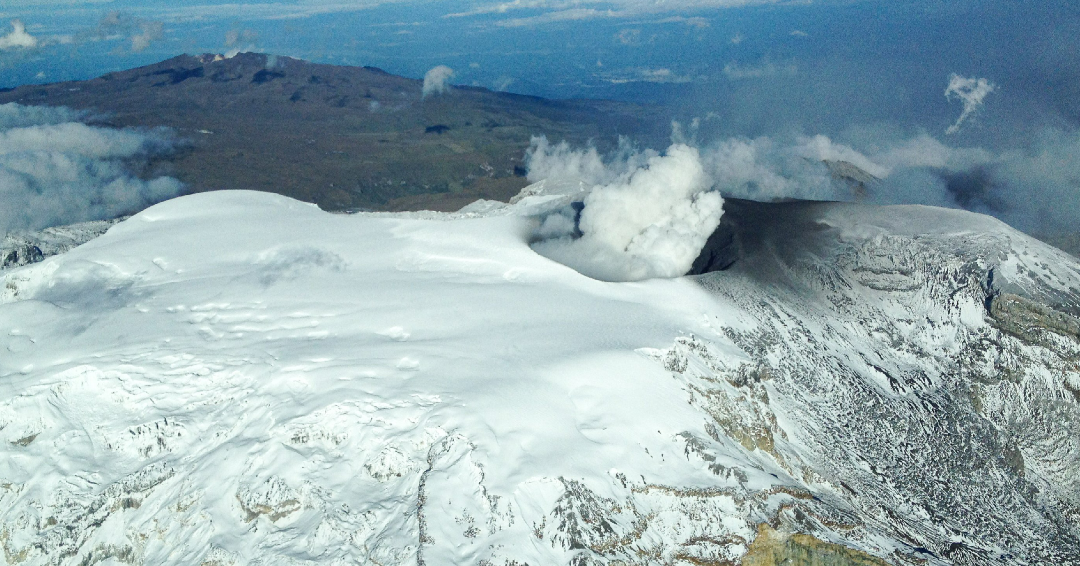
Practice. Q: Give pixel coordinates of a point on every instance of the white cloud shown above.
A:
(1041, 184)
(734, 71)
(923, 150)
(1035, 188)
(250, 11)
(628, 36)
(971, 92)
(19, 116)
(54, 170)
(18, 38)
(435, 80)
(148, 31)
(50, 3)
(568, 10)
(141, 32)
(504, 7)
(551, 10)
(821, 148)
(693, 21)
(661, 75)
(570, 15)
(561, 163)
(763, 169)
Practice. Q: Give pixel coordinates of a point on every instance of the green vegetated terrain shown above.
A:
(341, 137)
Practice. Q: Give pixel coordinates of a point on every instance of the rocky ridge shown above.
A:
(26, 247)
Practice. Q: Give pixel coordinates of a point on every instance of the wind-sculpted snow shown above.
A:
(239, 378)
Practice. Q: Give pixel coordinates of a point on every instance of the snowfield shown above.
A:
(240, 378)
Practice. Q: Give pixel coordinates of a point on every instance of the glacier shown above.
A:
(241, 378)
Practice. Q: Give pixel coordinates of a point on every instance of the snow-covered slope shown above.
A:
(239, 378)
(923, 362)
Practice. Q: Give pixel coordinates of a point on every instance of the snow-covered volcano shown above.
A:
(240, 378)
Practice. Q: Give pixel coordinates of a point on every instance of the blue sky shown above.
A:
(761, 62)
(757, 66)
(876, 75)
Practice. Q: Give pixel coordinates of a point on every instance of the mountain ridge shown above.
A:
(343, 137)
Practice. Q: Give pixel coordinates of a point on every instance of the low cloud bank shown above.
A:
(55, 169)
(646, 215)
(19, 116)
(1035, 188)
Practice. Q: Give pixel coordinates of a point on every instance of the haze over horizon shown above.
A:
(979, 97)
(760, 66)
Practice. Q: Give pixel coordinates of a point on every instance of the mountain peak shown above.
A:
(246, 378)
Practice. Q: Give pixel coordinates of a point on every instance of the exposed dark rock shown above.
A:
(1029, 320)
(177, 76)
(265, 76)
(23, 248)
(774, 548)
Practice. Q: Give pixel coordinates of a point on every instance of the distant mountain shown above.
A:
(342, 137)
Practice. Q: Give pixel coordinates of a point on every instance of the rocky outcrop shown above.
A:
(24, 248)
(1029, 320)
(16, 251)
(923, 365)
(776, 548)
(855, 178)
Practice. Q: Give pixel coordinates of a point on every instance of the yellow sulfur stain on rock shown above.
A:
(774, 548)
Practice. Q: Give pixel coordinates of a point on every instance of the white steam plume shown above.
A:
(239, 41)
(971, 92)
(148, 31)
(435, 80)
(1035, 188)
(767, 169)
(562, 164)
(56, 171)
(649, 221)
(18, 38)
